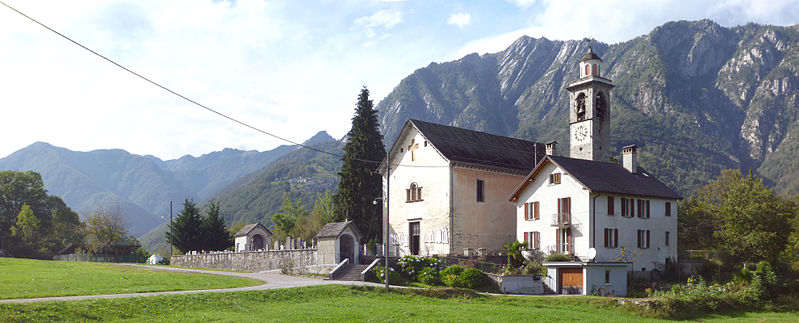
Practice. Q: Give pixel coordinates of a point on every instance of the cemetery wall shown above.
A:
(295, 261)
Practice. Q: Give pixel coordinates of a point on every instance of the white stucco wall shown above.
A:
(594, 280)
(547, 195)
(431, 172)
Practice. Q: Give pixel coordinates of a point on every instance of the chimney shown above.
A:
(630, 158)
(552, 148)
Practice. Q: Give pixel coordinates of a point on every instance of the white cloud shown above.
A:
(523, 3)
(380, 21)
(460, 19)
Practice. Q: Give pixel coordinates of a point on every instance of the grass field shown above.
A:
(26, 278)
(333, 303)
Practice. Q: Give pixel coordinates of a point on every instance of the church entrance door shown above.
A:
(345, 247)
(414, 238)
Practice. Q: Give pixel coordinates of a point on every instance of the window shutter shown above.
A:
(527, 238)
(607, 241)
(647, 238)
(623, 206)
(559, 209)
(615, 238)
(569, 205)
(536, 215)
(638, 205)
(668, 208)
(611, 207)
(647, 209)
(526, 211)
(537, 239)
(408, 195)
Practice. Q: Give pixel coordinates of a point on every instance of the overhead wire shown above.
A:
(207, 108)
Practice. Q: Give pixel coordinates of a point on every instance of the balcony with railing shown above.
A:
(561, 220)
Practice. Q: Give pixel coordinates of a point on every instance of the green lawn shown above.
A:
(334, 303)
(26, 278)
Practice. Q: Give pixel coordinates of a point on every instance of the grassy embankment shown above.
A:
(334, 303)
(26, 278)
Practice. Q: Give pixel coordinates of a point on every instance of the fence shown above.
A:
(97, 257)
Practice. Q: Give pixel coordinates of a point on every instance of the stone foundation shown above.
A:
(287, 261)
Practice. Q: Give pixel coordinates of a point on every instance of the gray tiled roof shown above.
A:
(334, 229)
(614, 178)
(247, 228)
(475, 147)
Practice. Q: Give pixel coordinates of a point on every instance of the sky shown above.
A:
(292, 68)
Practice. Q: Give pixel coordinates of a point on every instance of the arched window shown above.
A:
(601, 105)
(587, 70)
(595, 70)
(413, 193)
(579, 106)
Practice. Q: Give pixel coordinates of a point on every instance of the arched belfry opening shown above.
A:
(580, 107)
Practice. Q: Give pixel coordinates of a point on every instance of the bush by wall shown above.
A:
(410, 266)
(429, 276)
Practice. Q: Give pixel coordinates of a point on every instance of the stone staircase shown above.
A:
(548, 290)
(349, 272)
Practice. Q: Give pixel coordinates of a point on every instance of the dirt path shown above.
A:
(271, 281)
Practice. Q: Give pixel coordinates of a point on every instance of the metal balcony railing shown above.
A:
(561, 220)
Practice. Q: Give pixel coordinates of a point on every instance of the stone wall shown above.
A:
(289, 261)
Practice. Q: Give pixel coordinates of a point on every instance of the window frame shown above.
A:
(480, 190)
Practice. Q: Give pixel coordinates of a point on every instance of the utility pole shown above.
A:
(170, 230)
(386, 225)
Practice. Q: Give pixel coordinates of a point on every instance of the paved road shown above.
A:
(271, 281)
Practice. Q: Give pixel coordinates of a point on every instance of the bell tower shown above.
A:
(589, 111)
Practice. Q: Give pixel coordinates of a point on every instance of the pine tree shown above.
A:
(360, 184)
(214, 230)
(186, 231)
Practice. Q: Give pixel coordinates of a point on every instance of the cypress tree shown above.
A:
(215, 234)
(186, 229)
(360, 184)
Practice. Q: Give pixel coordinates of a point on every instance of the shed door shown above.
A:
(571, 277)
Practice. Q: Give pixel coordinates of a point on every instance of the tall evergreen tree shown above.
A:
(360, 184)
(215, 234)
(186, 231)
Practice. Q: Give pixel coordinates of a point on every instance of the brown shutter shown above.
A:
(569, 238)
(647, 209)
(408, 195)
(611, 207)
(623, 206)
(615, 238)
(526, 211)
(647, 238)
(536, 215)
(606, 239)
(527, 238)
(668, 208)
(639, 238)
(559, 209)
(537, 241)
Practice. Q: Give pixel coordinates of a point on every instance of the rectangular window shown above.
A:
(536, 237)
(607, 276)
(564, 210)
(480, 190)
(668, 208)
(643, 239)
(667, 238)
(611, 238)
(611, 207)
(554, 178)
(623, 206)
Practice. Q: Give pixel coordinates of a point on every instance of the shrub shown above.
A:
(449, 276)
(410, 267)
(532, 268)
(558, 257)
(164, 261)
(394, 276)
(471, 278)
(429, 276)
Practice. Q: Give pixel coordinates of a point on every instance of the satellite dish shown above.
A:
(591, 254)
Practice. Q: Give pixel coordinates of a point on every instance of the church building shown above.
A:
(448, 189)
(587, 205)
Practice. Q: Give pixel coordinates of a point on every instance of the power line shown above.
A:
(209, 108)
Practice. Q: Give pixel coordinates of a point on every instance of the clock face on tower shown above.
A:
(580, 133)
